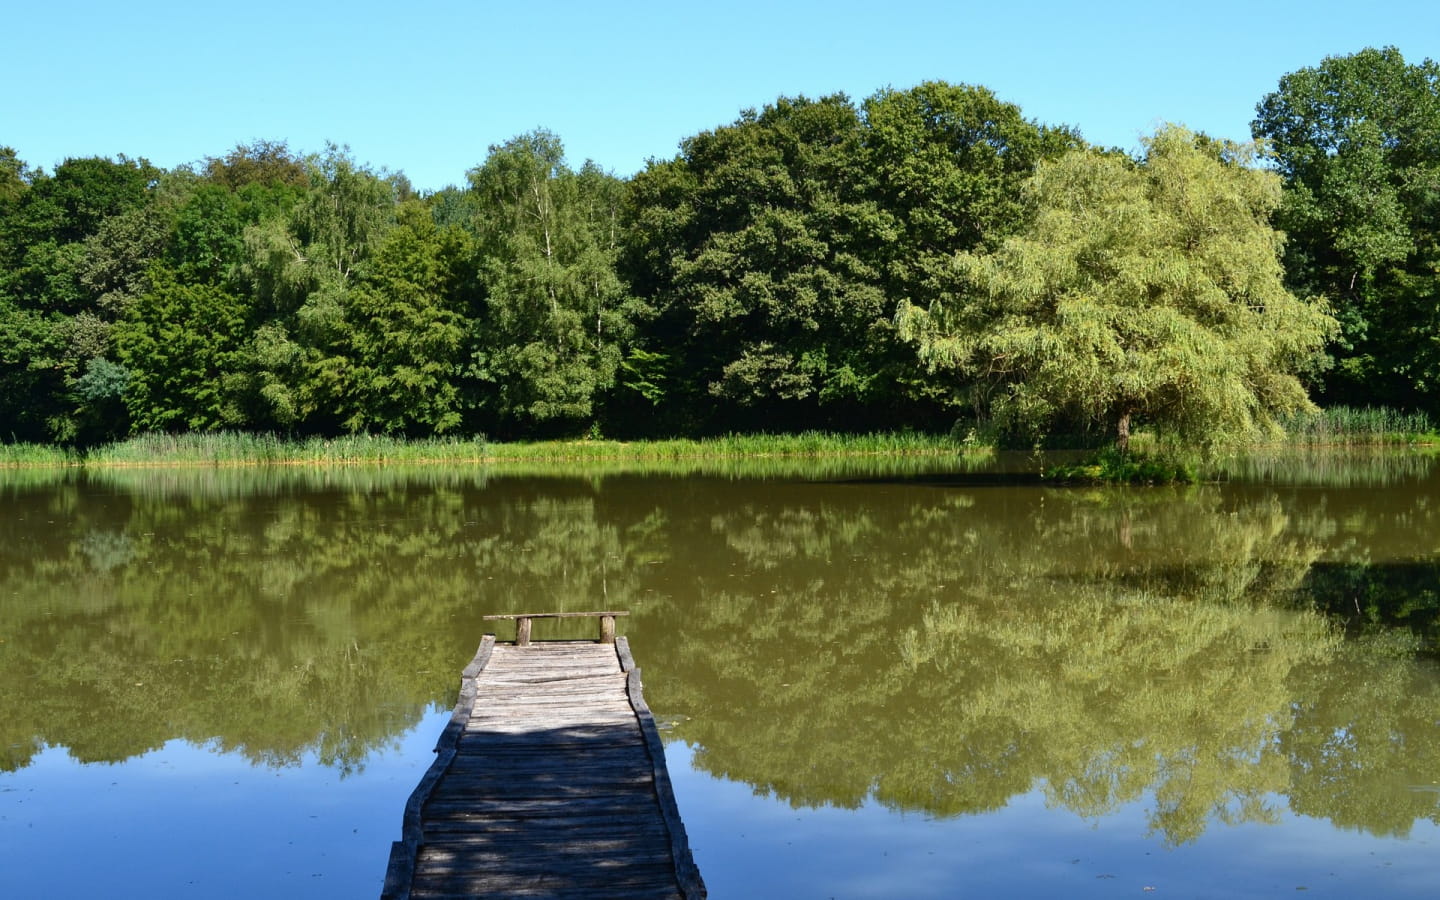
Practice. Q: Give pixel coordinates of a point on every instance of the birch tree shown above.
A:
(553, 317)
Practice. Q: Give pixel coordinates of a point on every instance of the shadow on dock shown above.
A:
(549, 781)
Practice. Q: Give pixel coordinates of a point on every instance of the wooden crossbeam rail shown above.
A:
(522, 623)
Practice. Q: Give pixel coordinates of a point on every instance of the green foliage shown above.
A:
(74, 247)
(754, 251)
(1363, 425)
(264, 163)
(182, 346)
(70, 204)
(101, 391)
(103, 380)
(1357, 139)
(303, 264)
(389, 367)
(114, 270)
(751, 282)
(644, 373)
(302, 259)
(15, 178)
(208, 242)
(771, 252)
(1146, 291)
(549, 335)
(1111, 466)
(949, 164)
(31, 379)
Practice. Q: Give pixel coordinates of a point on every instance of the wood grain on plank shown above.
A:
(549, 782)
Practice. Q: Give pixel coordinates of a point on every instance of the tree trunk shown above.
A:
(1122, 433)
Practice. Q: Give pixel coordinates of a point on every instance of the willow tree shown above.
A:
(1142, 291)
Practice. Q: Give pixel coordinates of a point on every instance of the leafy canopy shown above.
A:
(1357, 140)
(549, 337)
(1147, 290)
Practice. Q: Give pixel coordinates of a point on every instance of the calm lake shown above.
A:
(876, 679)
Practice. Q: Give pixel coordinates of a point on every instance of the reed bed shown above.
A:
(735, 446)
(244, 449)
(1360, 425)
(36, 455)
(237, 448)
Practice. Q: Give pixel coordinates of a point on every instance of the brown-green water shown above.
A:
(881, 681)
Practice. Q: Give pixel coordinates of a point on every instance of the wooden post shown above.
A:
(523, 622)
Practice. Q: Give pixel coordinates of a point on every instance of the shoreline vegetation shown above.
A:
(1333, 427)
(1145, 463)
(221, 449)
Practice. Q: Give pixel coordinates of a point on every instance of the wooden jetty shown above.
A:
(549, 781)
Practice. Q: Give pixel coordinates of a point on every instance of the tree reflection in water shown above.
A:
(938, 646)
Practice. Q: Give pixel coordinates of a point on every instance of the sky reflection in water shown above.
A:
(187, 821)
(748, 845)
(152, 825)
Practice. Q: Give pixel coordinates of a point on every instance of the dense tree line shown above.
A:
(925, 256)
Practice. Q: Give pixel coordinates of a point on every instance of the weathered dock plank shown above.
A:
(549, 781)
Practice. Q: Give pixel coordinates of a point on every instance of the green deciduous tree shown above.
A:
(303, 258)
(1141, 291)
(73, 246)
(267, 163)
(302, 262)
(43, 233)
(393, 365)
(772, 250)
(31, 380)
(949, 162)
(752, 249)
(553, 320)
(182, 344)
(1357, 139)
(15, 178)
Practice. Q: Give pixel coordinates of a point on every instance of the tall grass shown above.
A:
(807, 444)
(236, 448)
(18, 455)
(1359, 425)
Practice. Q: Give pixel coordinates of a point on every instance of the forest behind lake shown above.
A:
(927, 258)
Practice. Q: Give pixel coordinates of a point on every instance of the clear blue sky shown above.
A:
(427, 86)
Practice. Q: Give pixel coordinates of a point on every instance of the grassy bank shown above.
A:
(1349, 425)
(1336, 426)
(29, 455)
(238, 449)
